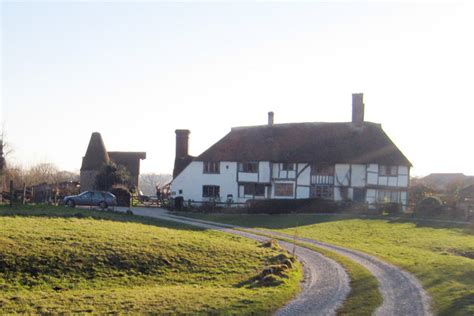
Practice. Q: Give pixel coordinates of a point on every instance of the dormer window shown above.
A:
(211, 167)
(249, 166)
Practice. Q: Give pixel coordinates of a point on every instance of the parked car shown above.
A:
(93, 198)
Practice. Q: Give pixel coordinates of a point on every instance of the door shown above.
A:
(97, 198)
(84, 198)
(359, 195)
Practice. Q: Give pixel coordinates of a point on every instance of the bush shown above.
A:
(429, 207)
(123, 196)
(281, 206)
(391, 208)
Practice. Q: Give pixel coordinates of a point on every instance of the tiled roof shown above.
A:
(327, 143)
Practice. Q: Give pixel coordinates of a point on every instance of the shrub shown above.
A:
(123, 196)
(391, 208)
(429, 207)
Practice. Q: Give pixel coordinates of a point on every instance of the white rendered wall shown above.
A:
(372, 174)
(247, 177)
(279, 173)
(304, 172)
(191, 180)
(358, 176)
(342, 175)
(302, 192)
(264, 171)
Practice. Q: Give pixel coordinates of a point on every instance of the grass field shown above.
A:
(440, 255)
(56, 260)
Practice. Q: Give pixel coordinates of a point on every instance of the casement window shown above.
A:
(283, 189)
(211, 167)
(210, 191)
(254, 189)
(322, 174)
(386, 196)
(287, 166)
(322, 192)
(248, 166)
(389, 171)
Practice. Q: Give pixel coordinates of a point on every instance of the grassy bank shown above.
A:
(56, 260)
(439, 254)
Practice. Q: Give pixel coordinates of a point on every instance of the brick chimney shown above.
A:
(182, 143)
(270, 118)
(358, 109)
(182, 158)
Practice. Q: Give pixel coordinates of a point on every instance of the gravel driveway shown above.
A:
(402, 293)
(325, 285)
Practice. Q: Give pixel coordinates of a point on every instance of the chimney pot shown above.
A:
(270, 118)
(358, 109)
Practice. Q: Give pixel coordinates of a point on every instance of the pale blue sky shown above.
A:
(137, 71)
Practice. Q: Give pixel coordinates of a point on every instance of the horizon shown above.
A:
(135, 72)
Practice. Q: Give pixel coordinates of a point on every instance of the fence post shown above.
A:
(11, 193)
(23, 198)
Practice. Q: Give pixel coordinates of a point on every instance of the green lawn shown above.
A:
(440, 255)
(56, 260)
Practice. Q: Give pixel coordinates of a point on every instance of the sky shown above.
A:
(137, 71)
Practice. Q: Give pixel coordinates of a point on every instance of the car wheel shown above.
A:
(103, 205)
(70, 203)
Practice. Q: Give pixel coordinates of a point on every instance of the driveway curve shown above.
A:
(402, 293)
(325, 284)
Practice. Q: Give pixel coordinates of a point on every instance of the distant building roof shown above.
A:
(328, 143)
(96, 154)
(441, 181)
(129, 159)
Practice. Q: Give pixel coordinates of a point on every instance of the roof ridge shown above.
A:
(300, 123)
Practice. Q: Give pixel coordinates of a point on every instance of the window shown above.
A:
(249, 166)
(322, 170)
(255, 189)
(283, 189)
(98, 195)
(287, 166)
(389, 171)
(211, 191)
(322, 174)
(86, 195)
(385, 196)
(211, 167)
(322, 192)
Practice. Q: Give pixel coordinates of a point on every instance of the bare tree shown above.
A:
(40, 173)
(149, 181)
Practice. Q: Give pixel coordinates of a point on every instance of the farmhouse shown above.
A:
(96, 156)
(338, 161)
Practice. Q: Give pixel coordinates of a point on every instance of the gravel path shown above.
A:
(325, 285)
(402, 293)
